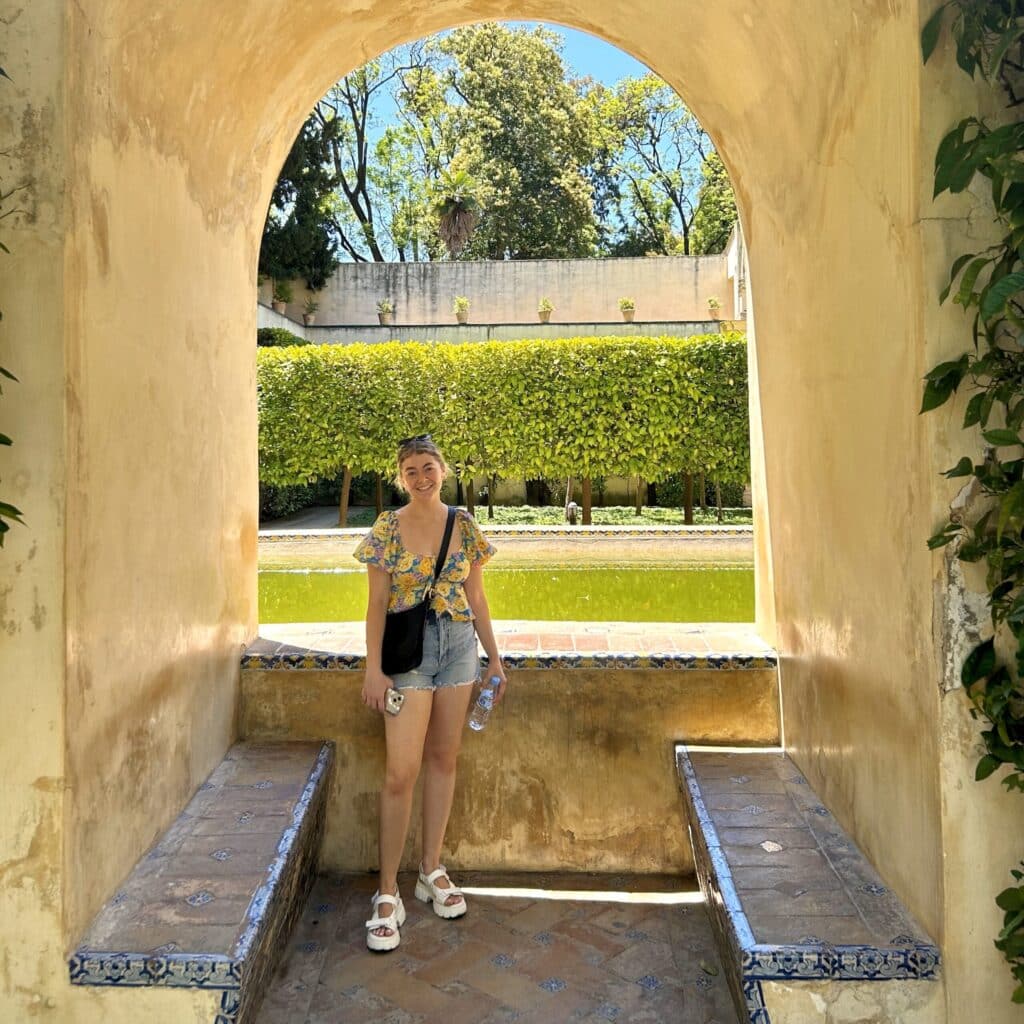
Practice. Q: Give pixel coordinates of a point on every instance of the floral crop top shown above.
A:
(411, 574)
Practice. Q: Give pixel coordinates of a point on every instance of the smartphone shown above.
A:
(393, 700)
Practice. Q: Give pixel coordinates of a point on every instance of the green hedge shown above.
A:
(277, 337)
(534, 408)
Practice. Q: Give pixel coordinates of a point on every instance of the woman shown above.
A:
(400, 553)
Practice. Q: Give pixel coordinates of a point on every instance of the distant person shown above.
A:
(400, 553)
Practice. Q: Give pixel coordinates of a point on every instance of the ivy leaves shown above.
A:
(985, 33)
(991, 285)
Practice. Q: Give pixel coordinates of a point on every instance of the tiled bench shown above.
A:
(802, 919)
(207, 910)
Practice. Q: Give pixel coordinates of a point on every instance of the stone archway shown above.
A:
(153, 136)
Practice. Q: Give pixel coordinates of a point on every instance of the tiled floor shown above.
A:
(528, 637)
(509, 959)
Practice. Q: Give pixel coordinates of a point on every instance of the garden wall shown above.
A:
(666, 287)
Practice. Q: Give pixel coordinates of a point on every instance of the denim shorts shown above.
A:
(449, 656)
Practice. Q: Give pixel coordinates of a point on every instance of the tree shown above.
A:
(524, 135)
(380, 205)
(716, 209)
(297, 240)
(559, 167)
(458, 211)
(653, 149)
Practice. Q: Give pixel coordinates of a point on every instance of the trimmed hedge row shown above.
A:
(574, 406)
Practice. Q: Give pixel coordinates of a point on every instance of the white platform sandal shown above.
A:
(394, 921)
(428, 892)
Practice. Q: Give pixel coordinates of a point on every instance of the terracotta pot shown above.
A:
(462, 316)
(309, 319)
(716, 314)
(278, 306)
(545, 315)
(384, 319)
(628, 314)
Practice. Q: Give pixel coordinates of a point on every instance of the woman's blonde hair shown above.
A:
(423, 444)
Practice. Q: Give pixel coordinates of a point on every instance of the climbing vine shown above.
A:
(989, 38)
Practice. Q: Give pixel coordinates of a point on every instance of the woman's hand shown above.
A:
(495, 668)
(375, 685)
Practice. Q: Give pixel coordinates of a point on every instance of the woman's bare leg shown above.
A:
(404, 734)
(440, 753)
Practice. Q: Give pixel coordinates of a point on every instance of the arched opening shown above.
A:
(217, 210)
(610, 171)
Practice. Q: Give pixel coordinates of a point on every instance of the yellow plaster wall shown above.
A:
(576, 772)
(153, 184)
(32, 794)
(161, 485)
(847, 483)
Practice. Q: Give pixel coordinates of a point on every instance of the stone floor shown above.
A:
(511, 958)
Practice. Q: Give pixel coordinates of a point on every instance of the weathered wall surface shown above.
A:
(848, 488)
(663, 287)
(863, 1002)
(161, 535)
(32, 571)
(575, 773)
(176, 121)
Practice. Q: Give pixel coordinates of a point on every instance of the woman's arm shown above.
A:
(375, 683)
(478, 603)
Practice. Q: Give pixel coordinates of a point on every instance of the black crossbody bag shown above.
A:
(402, 646)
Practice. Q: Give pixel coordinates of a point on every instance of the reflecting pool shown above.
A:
(691, 592)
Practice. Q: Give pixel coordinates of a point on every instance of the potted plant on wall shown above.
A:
(385, 312)
(282, 296)
(544, 309)
(460, 307)
(714, 308)
(309, 308)
(628, 308)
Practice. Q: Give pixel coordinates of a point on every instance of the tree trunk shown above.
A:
(688, 499)
(639, 496)
(718, 499)
(346, 487)
(470, 497)
(568, 497)
(492, 485)
(459, 495)
(702, 497)
(586, 501)
(378, 492)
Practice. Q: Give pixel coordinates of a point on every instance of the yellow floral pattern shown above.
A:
(411, 574)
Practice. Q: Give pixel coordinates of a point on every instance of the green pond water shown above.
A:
(689, 593)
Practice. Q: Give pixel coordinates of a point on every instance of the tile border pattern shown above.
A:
(249, 965)
(298, 659)
(749, 962)
(549, 532)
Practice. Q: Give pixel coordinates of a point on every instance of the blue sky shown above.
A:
(588, 55)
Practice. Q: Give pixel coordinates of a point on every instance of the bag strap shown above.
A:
(444, 547)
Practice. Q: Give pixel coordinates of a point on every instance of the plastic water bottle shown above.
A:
(484, 703)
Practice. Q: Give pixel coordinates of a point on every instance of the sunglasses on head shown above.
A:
(413, 440)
